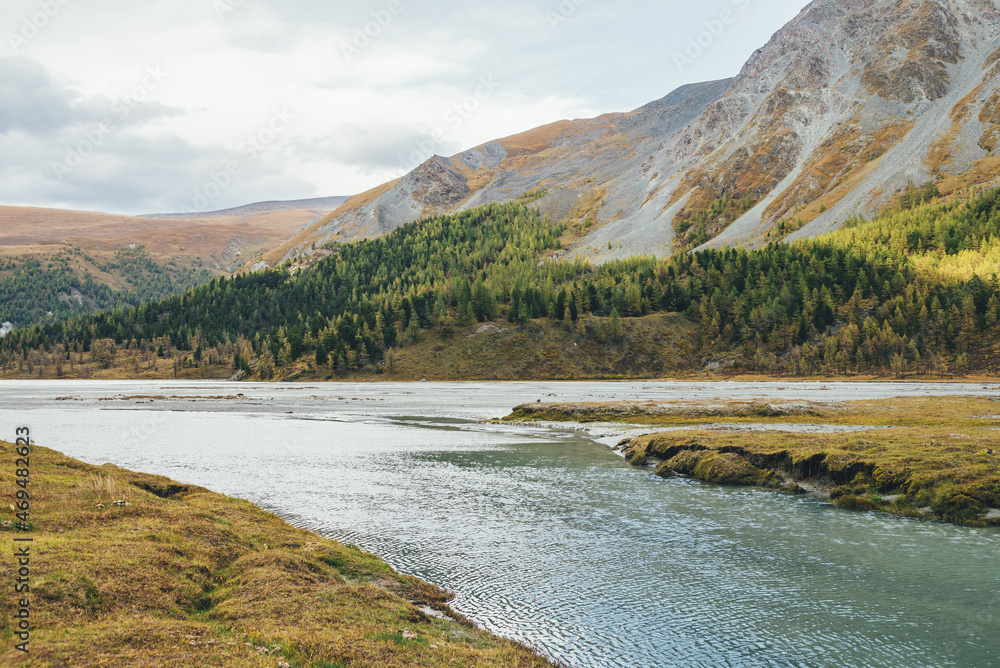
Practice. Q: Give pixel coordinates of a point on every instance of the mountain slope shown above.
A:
(577, 162)
(220, 243)
(867, 97)
(846, 106)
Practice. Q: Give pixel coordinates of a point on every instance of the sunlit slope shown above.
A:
(220, 243)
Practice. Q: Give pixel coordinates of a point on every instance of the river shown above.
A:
(547, 536)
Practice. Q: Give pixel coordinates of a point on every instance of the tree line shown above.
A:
(911, 290)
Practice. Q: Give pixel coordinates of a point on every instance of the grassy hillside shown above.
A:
(78, 262)
(913, 292)
(129, 569)
(68, 282)
(217, 241)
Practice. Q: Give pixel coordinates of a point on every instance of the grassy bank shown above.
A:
(175, 575)
(935, 458)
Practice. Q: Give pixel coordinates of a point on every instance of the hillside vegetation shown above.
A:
(59, 285)
(77, 262)
(911, 292)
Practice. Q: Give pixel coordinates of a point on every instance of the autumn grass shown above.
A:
(896, 412)
(130, 569)
(936, 458)
(652, 346)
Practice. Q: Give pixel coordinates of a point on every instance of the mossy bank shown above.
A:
(934, 458)
(129, 569)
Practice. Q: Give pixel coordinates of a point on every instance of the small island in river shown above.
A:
(933, 458)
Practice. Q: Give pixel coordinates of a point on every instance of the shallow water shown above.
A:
(550, 538)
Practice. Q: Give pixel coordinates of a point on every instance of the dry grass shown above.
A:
(109, 487)
(181, 576)
(954, 412)
(849, 156)
(656, 345)
(314, 234)
(931, 472)
(540, 138)
(25, 230)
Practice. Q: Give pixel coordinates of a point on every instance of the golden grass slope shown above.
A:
(311, 235)
(218, 242)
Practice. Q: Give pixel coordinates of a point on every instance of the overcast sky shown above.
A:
(168, 105)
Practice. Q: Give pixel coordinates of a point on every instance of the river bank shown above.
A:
(933, 458)
(135, 569)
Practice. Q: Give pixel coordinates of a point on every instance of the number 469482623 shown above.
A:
(22, 474)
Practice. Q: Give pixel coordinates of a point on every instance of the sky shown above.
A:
(196, 105)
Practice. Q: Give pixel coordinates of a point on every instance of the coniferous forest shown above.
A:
(913, 291)
(33, 290)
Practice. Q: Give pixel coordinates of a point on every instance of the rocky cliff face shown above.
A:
(847, 105)
(863, 99)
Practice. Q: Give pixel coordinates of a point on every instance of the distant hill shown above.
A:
(221, 244)
(55, 263)
(326, 204)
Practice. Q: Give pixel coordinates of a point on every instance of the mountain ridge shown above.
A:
(318, 203)
(845, 107)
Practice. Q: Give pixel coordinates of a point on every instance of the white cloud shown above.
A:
(376, 149)
(355, 119)
(34, 102)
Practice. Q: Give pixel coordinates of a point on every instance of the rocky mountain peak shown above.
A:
(848, 104)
